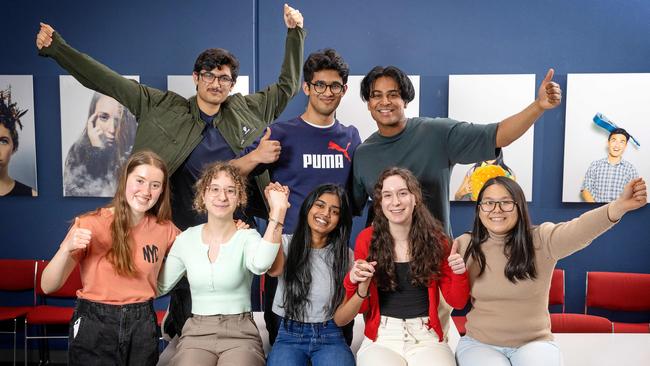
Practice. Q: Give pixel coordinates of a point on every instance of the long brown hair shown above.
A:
(428, 243)
(120, 255)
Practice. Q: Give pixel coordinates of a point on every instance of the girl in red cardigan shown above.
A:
(401, 263)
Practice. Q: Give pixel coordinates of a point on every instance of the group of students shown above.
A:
(402, 262)
(405, 267)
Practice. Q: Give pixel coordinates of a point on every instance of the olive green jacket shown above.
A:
(171, 125)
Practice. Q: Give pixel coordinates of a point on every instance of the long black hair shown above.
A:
(297, 271)
(518, 247)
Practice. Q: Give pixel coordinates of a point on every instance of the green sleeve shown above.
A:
(96, 76)
(470, 142)
(269, 103)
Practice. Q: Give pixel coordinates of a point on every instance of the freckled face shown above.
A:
(143, 188)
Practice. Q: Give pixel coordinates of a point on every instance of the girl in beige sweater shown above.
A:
(510, 264)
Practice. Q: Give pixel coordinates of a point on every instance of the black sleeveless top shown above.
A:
(407, 301)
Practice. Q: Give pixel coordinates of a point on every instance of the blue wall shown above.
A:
(431, 38)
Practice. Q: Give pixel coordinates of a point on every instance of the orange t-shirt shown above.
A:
(150, 243)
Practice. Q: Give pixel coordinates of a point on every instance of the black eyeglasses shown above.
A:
(505, 206)
(320, 87)
(208, 77)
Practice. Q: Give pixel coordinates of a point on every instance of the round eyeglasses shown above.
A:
(505, 206)
(320, 87)
(208, 77)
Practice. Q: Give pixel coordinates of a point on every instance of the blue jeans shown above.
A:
(471, 352)
(321, 343)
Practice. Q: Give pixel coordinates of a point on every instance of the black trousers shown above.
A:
(103, 334)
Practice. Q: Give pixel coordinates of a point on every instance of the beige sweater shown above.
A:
(513, 314)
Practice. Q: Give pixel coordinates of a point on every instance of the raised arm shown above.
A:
(93, 74)
(261, 254)
(269, 103)
(63, 262)
(566, 238)
(549, 96)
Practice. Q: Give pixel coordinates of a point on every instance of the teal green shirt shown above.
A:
(222, 287)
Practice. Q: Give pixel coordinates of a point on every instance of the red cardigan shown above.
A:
(455, 289)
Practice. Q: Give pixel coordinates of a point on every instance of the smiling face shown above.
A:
(144, 186)
(323, 216)
(323, 104)
(397, 202)
(497, 221)
(6, 147)
(616, 146)
(386, 106)
(221, 197)
(212, 93)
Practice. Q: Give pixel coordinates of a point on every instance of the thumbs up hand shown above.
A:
(549, 94)
(267, 151)
(456, 262)
(78, 238)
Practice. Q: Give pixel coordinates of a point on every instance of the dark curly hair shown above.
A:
(217, 58)
(326, 59)
(428, 244)
(211, 172)
(406, 90)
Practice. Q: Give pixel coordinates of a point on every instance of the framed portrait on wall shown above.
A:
(472, 99)
(17, 141)
(97, 136)
(606, 134)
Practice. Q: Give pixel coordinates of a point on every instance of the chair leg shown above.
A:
(15, 321)
(25, 344)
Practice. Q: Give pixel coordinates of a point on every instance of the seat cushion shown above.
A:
(631, 327)
(13, 312)
(579, 323)
(47, 314)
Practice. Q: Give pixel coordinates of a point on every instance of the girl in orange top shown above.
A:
(120, 249)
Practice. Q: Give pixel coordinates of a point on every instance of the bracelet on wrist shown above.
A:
(359, 294)
(278, 223)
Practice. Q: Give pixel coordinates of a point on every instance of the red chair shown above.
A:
(620, 292)
(15, 275)
(556, 293)
(579, 323)
(44, 315)
(572, 323)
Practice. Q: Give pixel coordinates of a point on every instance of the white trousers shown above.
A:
(405, 342)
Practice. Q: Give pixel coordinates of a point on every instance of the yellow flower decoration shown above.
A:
(482, 175)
